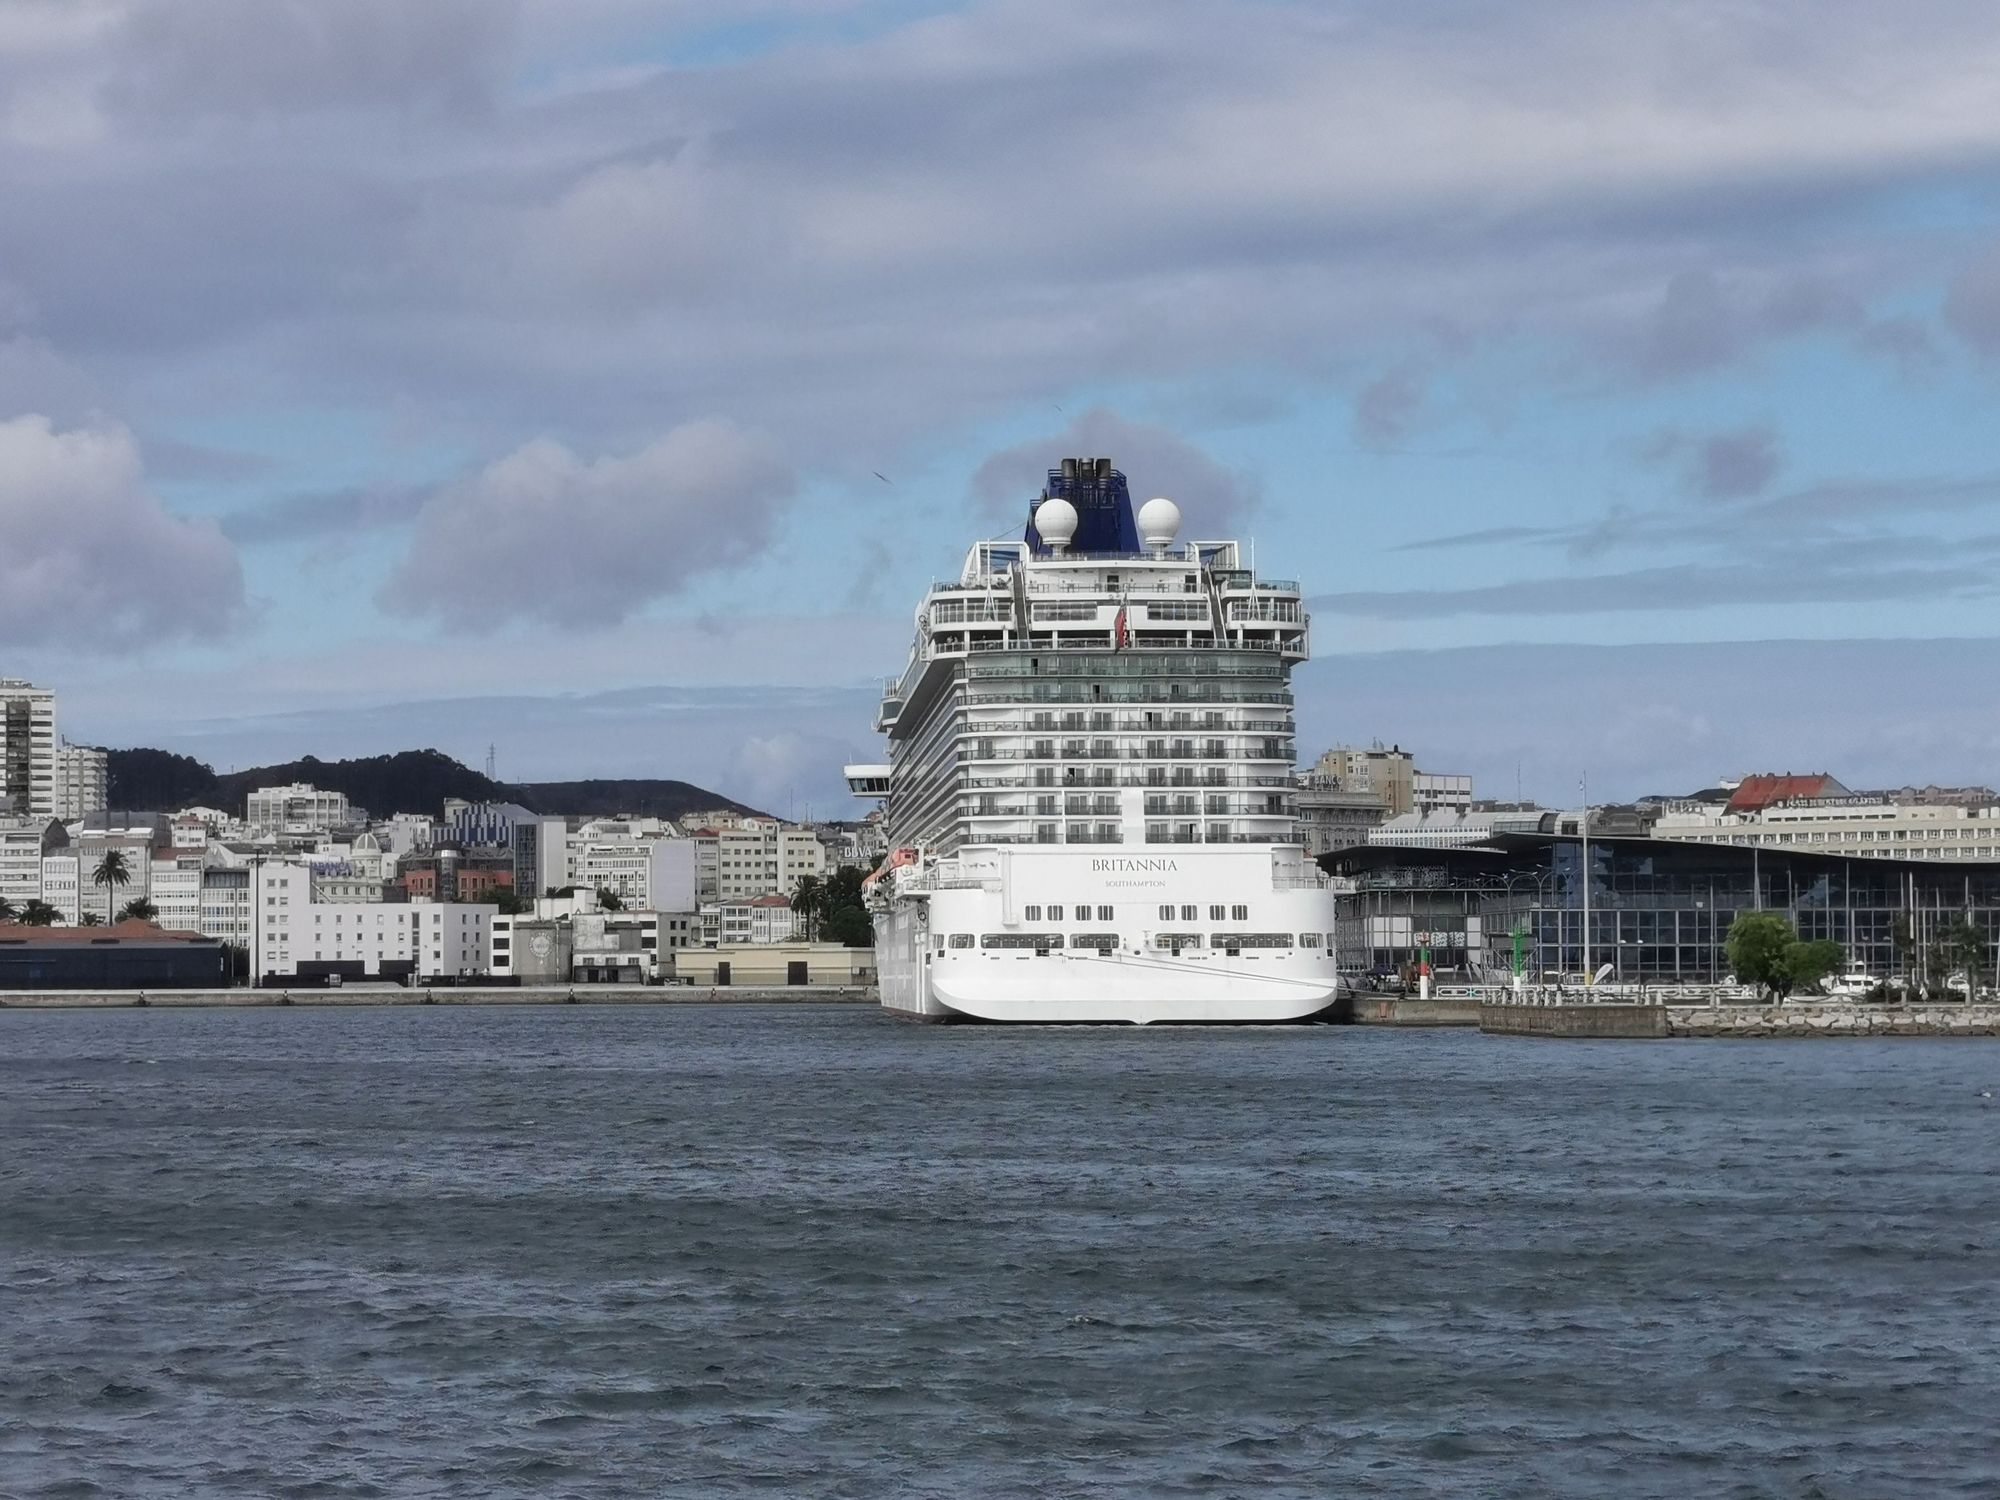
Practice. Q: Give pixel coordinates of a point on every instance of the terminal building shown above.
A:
(1659, 909)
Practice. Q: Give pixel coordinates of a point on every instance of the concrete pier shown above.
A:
(351, 996)
(1580, 1020)
(1367, 1009)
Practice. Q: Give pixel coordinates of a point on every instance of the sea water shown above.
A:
(727, 1251)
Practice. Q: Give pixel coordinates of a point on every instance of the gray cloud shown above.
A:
(1668, 717)
(328, 512)
(545, 535)
(1212, 498)
(439, 203)
(1811, 579)
(1730, 465)
(1386, 407)
(1736, 465)
(88, 555)
(238, 58)
(1972, 305)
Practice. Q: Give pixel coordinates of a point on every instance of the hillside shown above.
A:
(412, 781)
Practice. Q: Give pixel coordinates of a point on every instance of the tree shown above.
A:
(139, 910)
(39, 914)
(509, 901)
(111, 876)
(1764, 950)
(1756, 948)
(90, 919)
(849, 925)
(7, 910)
(1808, 962)
(842, 914)
(1963, 946)
(610, 900)
(806, 905)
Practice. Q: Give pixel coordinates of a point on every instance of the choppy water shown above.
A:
(728, 1251)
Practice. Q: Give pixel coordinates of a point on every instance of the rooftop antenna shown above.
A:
(491, 750)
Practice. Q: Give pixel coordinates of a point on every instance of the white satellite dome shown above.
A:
(1159, 522)
(1055, 522)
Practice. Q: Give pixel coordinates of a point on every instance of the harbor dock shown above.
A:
(359, 995)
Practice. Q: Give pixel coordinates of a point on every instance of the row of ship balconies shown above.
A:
(1181, 610)
(1043, 778)
(1161, 805)
(1113, 833)
(1100, 750)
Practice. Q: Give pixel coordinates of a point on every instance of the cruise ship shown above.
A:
(1088, 796)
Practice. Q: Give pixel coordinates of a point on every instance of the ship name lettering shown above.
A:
(1133, 866)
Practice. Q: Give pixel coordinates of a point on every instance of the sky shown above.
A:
(602, 382)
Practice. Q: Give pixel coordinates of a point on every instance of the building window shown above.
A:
(961, 940)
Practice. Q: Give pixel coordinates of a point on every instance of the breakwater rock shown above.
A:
(1832, 1020)
(1814, 1019)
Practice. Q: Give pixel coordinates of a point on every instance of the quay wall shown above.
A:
(1364, 1009)
(1501, 1018)
(348, 997)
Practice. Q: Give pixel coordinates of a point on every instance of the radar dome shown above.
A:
(1055, 522)
(1159, 522)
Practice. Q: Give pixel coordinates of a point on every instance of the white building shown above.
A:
(1449, 830)
(69, 882)
(174, 887)
(83, 780)
(24, 843)
(297, 808)
(1860, 825)
(1434, 792)
(756, 919)
(650, 871)
(293, 936)
(759, 855)
(27, 748)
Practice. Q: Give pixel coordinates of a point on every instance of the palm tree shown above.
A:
(110, 876)
(90, 919)
(139, 910)
(7, 911)
(807, 899)
(39, 914)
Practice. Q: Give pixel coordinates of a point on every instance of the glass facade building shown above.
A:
(1659, 911)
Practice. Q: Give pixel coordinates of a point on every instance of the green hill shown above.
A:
(410, 781)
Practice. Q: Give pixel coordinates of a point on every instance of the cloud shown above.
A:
(1386, 407)
(434, 201)
(1730, 465)
(1156, 461)
(89, 556)
(1807, 579)
(544, 535)
(328, 512)
(1972, 305)
(242, 58)
(1664, 718)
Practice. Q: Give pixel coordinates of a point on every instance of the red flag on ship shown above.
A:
(1121, 636)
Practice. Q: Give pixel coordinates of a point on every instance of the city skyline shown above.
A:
(1615, 381)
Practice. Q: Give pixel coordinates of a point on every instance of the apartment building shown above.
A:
(83, 780)
(27, 749)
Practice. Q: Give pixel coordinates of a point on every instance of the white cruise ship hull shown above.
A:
(975, 937)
